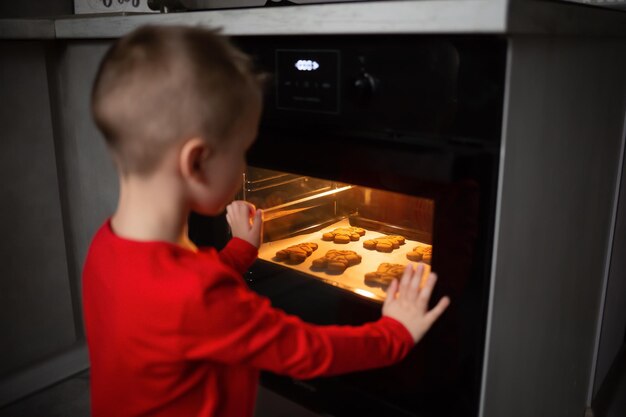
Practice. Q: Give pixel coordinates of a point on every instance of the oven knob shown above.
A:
(365, 85)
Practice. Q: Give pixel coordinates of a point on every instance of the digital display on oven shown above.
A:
(307, 80)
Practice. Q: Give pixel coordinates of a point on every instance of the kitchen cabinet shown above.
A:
(558, 250)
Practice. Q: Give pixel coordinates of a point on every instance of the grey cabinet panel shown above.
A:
(87, 172)
(36, 317)
(563, 130)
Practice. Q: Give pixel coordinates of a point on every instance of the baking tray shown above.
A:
(352, 279)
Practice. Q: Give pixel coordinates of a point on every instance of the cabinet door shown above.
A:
(36, 312)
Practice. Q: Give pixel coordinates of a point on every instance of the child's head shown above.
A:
(180, 92)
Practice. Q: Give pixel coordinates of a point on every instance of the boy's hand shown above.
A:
(245, 221)
(408, 304)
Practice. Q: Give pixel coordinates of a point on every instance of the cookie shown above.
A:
(385, 243)
(383, 276)
(344, 234)
(421, 253)
(296, 253)
(336, 261)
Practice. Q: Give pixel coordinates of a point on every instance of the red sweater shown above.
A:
(172, 332)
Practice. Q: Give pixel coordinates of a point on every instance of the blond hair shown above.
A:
(160, 84)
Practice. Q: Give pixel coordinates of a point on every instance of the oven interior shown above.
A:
(318, 227)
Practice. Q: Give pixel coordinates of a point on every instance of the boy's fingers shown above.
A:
(405, 280)
(240, 207)
(424, 295)
(252, 211)
(438, 310)
(416, 281)
(248, 211)
(424, 275)
(257, 222)
(413, 290)
(419, 269)
(236, 210)
(391, 291)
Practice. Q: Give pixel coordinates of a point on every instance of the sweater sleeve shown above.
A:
(239, 255)
(231, 324)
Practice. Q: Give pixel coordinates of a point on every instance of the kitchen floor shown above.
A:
(70, 398)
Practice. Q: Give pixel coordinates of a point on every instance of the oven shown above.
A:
(387, 147)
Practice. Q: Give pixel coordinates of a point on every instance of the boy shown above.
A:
(172, 329)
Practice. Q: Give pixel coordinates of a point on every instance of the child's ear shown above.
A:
(193, 158)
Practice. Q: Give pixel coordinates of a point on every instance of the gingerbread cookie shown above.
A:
(336, 261)
(421, 253)
(383, 276)
(384, 244)
(297, 253)
(344, 234)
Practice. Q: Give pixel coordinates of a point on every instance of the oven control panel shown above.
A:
(383, 86)
(307, 80)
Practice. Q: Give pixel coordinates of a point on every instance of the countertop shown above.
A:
(381, 17)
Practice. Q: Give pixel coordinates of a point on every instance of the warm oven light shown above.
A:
(313, 197)
(364, 293)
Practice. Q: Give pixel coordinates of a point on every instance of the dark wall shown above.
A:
(35, 8)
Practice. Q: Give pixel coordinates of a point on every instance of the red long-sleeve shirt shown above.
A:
(173, 332)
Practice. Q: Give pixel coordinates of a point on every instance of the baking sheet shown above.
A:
(352, 278)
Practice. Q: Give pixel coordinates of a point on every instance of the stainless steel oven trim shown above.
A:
(496, 230)
(607, 268)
